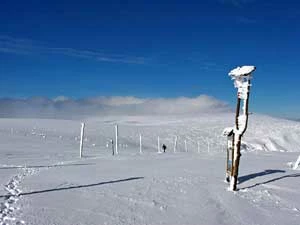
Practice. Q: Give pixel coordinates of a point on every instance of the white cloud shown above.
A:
(20, 46)
(115, 100)
(67, 108)
(61, 99)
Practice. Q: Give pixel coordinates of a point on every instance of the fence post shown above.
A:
(198, 144)
(112, 146)
(116, 142)
(175, 144)
(185, 146)
(158, 145)
(296, 163)
(140, 144)
(208, 150)
(81, 139)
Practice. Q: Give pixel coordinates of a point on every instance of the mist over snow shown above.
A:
(67, 108)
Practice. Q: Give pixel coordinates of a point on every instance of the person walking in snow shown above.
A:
(164, 147)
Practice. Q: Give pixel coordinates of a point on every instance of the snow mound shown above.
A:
(266, 133)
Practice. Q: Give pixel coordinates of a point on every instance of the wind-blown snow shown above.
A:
(45, 182)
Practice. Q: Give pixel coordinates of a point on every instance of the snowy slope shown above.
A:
(44, 181)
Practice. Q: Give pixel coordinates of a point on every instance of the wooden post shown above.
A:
(237, 113)
(112, 146)
(140, 144)
(116, 141)
(158, 145)
(235, 154)
(208, 147)
(81, 139)
(175, 144)
(236, 164)
(185, 146)
(227, 178)
(238, 139)
(232, 154)
(198, 145)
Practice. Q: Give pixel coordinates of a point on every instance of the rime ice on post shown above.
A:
(297, 163)
(228, 132)
(116, 139)
(81, 139)
(141, 144)
(175, 144)
(242, 77)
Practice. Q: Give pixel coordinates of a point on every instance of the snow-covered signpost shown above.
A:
(242, 77)
(81, 139)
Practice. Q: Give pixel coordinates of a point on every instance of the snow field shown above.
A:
(45, 182)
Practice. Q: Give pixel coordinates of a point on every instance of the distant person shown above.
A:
(164, 147)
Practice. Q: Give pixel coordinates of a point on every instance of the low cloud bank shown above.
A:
(67, 108)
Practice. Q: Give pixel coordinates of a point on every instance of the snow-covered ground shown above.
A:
(45, 182)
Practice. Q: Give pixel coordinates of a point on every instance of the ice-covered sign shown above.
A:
(228, 131)
(241, 71)
(241, 76)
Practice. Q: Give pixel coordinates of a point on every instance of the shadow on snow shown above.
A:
(272, 180)
(245, 178)
(73, 187)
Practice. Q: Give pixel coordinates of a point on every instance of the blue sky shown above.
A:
(151, 49)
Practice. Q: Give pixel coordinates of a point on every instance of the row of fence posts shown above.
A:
(115, 145)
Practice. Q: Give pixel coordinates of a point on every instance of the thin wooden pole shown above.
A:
(81, 139)
(140, 144)
(227, 178)
(232, 154)
(158, 145)
(208, 146)
(116, 141)
(175, 144)
(112, 146)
